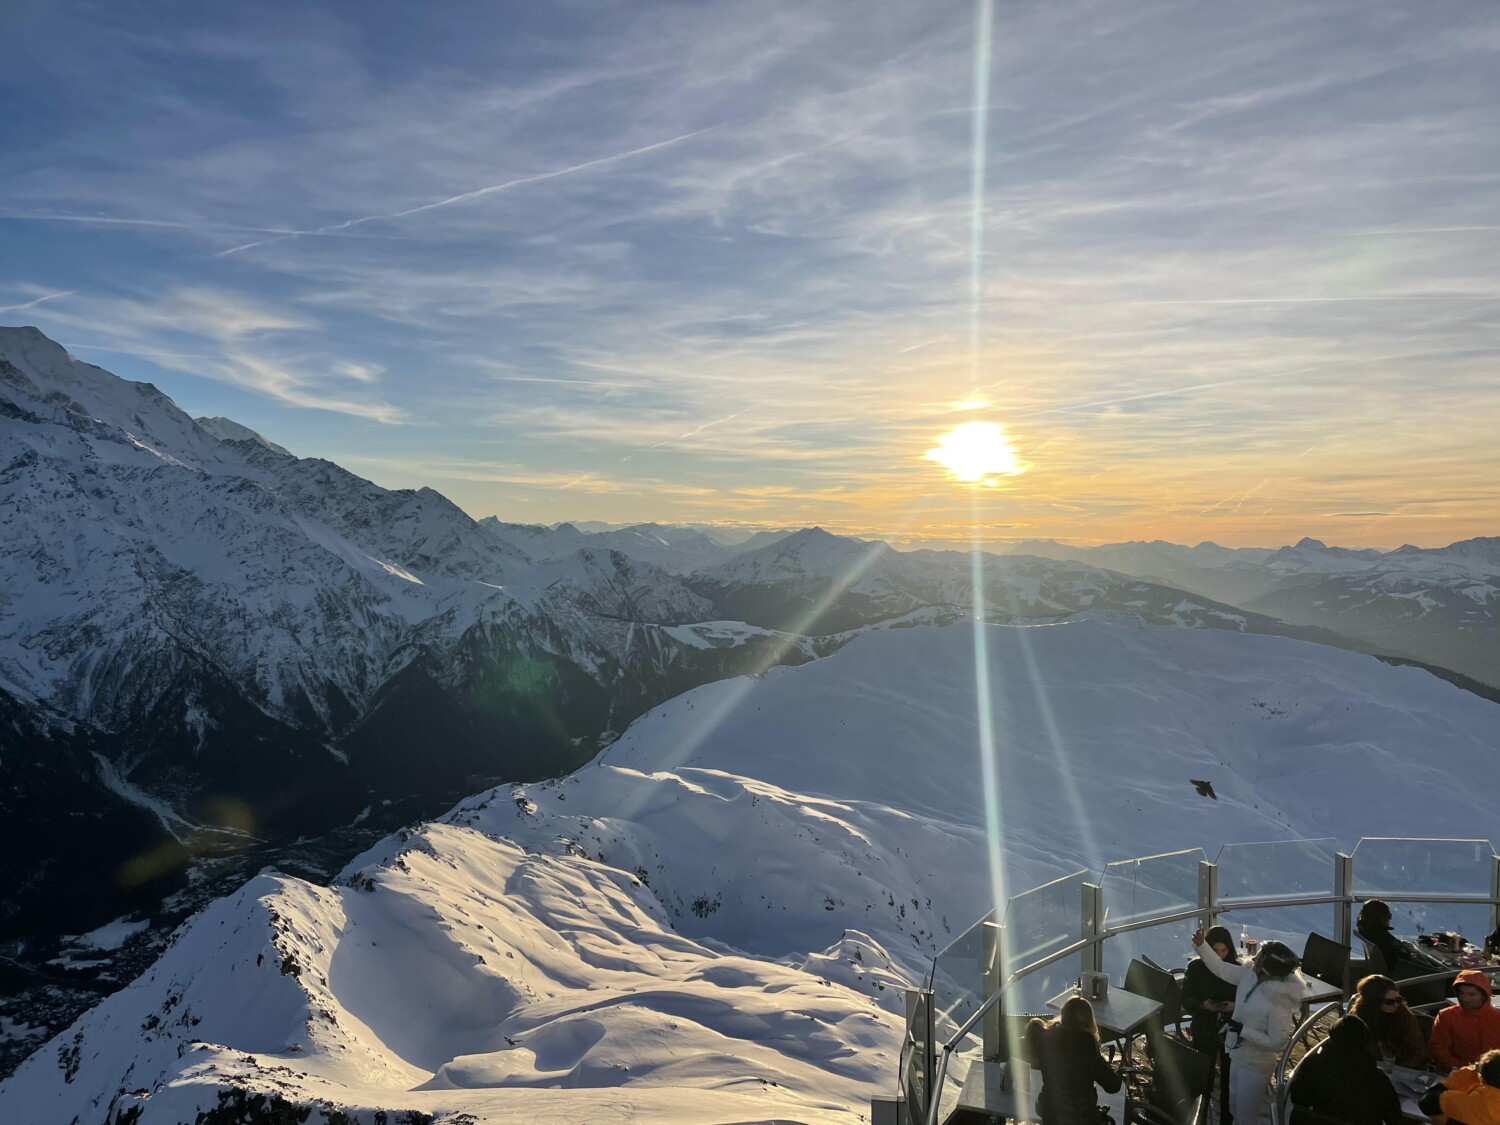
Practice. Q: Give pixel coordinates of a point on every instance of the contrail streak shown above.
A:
(169, 224)
(546, 379)
(142, 351)
(1127, 398)
(36, 301)
(478, 193)
(1319, 300)
(1414, 230)
(699, 429)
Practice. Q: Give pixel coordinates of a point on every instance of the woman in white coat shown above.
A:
(1268, 996)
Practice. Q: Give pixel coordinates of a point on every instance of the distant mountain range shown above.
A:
(1439, 605)
(216, 655)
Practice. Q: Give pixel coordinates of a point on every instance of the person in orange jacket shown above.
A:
(1466, 1030)
(1469, 1096)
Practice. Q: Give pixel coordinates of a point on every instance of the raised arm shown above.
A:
(1224, 970)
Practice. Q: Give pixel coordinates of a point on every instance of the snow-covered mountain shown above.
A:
(709, 922)
(1440, 605)
(677, 550)
(240, 644)
(215, 654)
(815, 582)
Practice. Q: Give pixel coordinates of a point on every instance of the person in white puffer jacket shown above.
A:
(1268, 997)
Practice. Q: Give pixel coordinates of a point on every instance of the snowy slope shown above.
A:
(692, 928)
(1436, 604)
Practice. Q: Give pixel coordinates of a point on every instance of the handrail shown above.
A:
(1278, 1076)
(965, 1029)
(1096, 931)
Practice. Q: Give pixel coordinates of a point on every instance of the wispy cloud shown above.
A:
(1212, 241)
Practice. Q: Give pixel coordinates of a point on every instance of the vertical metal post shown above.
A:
(921, 1067)
(1090, 928)
(994, 977)
(1343, 888)
(1494, 893)
(1208, 893)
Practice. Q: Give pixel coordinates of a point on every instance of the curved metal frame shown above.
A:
(1279, 1084)
(1343, 896)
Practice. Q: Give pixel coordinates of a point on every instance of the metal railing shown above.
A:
(1280, 1078)
(1095, 933)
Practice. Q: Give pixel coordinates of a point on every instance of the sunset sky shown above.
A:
(1202, 271)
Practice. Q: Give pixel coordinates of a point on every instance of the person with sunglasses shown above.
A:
(1394, 1028)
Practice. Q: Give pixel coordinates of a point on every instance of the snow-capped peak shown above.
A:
(226, 429)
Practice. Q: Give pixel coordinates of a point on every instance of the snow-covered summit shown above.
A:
(226, 429)
(113, 418)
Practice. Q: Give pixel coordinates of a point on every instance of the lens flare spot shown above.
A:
(976, 453)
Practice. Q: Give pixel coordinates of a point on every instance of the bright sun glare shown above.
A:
(976, 452)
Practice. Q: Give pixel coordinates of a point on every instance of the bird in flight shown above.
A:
(1205, 788)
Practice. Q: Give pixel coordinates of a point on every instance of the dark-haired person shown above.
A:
(1393, 1027)
(1205, 996)
(1468, 1029)
(1374, 925)
(1268, 996)
(1341, 1079)
(1469, 1096)
(1066, 1050)
(1210, 1002)
(1403, 960)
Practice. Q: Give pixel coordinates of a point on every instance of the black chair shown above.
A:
(1181, 1081)
(1374, 958)
(1327, 960)
(1156, 984)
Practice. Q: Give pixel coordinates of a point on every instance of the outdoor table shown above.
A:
(1320, 992)
(1410, 1085)
(1119, 1015)
(982, 1092)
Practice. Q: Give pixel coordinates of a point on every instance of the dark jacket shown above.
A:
(1200, 984)
(1340, 1079)
(1392, 948)
(1071, 1065)
(1397, 1035)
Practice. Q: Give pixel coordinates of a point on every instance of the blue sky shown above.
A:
(1236, 263)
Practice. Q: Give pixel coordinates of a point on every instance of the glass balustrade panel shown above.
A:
(1136, 890)
(1388, 868)
(1038, 923)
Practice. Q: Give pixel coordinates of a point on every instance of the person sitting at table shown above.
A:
(1066, 1050)
(1402, 958)
(1268, 996)
(1341, 1079)
(1466, 1030)
(1393, 1027)
(1468, 1096)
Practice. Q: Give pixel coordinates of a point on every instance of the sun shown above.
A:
(976, 452)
